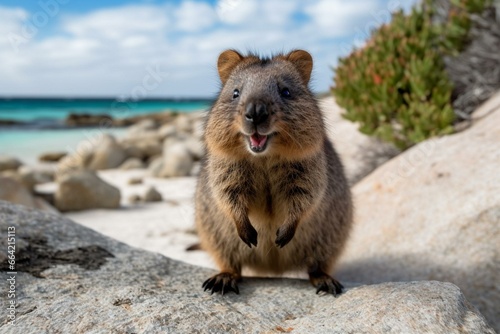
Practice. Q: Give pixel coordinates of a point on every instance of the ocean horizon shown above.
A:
(32, 109)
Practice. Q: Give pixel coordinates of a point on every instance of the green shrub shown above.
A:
(396, 86)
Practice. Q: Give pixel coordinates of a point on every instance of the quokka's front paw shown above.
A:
(284, 234)
(248, 234)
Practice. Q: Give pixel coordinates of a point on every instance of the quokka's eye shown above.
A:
(285, 92)
(236, 94)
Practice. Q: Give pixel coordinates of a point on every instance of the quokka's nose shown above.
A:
(256, 113)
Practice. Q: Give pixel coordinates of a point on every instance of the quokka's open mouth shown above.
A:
(258, 142)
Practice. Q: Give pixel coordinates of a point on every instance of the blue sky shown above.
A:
(151, 48)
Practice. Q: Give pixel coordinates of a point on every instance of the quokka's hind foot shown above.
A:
(325, 283)
(222, 283)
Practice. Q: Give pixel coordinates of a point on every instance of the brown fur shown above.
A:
(288, 207)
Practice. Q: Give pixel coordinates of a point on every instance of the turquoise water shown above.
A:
(58, 109)
(27, 145)
(45, 117)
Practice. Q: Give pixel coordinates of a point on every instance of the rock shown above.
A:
(13, 190)
(134, 198)
(195, 148)
(167, 131)
(84, 190)
(132, 163)
(9, 163)
(78, 160)
(144, 125)
(177, 160)
(31, 176)
(360, 154)
(135, 180)
(43, 205)
(155, 166)
(107, 154)
(75, 280)
(51, 156)
(84, 120)
(198, 125)
(183, 123)
(433, 213)
(195, 171)
(152, 195)
(146, 144)
(132, 151)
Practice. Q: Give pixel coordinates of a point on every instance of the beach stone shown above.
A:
(79, 120)
(177, 160)
(195, 171)
(80, 159)
(152, 195)
(9, 163)
(198, 128)
(51, 156)
(155, 166)
(183, 123)
(144, 125)
(143, 146)
(132, 151)
(14, 191)
(107, 154)
(195, 148)
(82, 190)
(132, 163)
(135, 180)
(75, 280)
(433, 213)
(167, 131)
(134, 198)
(360, 154)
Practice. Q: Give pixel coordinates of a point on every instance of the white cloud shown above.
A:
(117, 23)
(12, 20)
(194, 16)
(108, 51)
(337, 18)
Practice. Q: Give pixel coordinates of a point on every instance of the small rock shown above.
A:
(78, 160)
(9, 163)
(152, 195)
(195, 171)
(177, 160)
(135, 180)
(134, 198)
(101, 120)
(12, 190)
(107, 154)
(132, 163)
(155, 166)
(83, 190)
(167, 131)
(51, 156)
(183, 123)
(144, 125)
(196, 148)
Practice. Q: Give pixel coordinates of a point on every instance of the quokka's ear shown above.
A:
(303, 62)
(226, 64)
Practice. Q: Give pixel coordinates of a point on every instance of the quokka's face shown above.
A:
(261, 104)
(261, 97)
